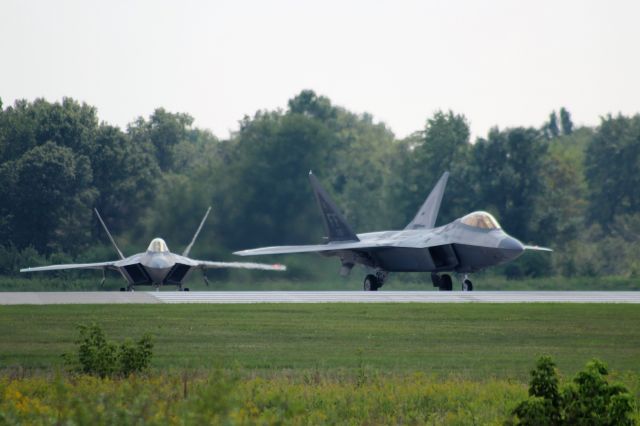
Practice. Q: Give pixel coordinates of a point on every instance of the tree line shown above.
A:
(575, 189)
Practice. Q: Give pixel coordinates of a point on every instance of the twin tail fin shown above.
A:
(335, 224)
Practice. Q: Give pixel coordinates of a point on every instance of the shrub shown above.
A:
(98, 357)
(588, 400)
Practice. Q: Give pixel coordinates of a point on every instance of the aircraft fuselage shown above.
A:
(454, 247)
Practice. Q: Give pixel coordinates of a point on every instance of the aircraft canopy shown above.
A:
(482, 220)
(158, 245)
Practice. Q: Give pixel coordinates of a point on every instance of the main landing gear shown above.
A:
(374, 282)
(467, 285)
(445, 283)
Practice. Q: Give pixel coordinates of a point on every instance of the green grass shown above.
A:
(308, 364)
(226, 398)
(473, 341)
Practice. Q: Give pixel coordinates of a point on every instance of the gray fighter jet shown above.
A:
(157, 266)
(466, 245)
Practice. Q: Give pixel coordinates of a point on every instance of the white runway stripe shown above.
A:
(48, 298)
(399, 297)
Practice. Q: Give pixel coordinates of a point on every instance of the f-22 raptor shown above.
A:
(157, 266)
(466, 245)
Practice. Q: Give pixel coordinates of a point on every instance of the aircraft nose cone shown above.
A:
(511, 244)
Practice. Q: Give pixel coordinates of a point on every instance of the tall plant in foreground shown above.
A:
(96, 356)
(588, 400)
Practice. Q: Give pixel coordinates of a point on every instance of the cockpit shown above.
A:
(482, 220)
(158, 245)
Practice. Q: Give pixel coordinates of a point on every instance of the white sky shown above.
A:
(503, 63)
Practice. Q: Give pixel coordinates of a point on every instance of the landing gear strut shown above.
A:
(442, 281)
(446, 284)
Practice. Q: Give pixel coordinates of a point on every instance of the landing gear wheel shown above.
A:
(467, 285)
(185, 289)
(123, 289)
(446, 284)
(371, 283)
(435, 279)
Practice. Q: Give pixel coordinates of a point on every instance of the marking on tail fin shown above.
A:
(335, 224)
(109, 234)
(428, 213)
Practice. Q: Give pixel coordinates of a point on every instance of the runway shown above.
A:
(221, 297)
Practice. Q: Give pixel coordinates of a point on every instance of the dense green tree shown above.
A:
(442, 146)
(508, 176)
(551, 129)
(126, 175)
(164, 130)
(120, 173)
(612, 161)
(559, 210)
(28, 124)
(312, 105)
(264, 195)
(573, 189)
(50, 188)
(358, 176)
(274, 151)
(565, 122)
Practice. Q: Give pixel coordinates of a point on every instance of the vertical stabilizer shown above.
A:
(428, 213)
(109, 234)
(336, 226)
(193, 240)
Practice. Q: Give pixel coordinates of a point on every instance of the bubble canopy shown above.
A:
(158, 245)
(482, 220)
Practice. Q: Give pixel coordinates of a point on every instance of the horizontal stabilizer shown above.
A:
(428, 213)
(336, 226)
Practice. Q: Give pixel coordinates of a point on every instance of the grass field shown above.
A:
(467, 341)
(308, 364)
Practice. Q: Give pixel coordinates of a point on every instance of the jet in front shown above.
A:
(468, 244)
(157, 266)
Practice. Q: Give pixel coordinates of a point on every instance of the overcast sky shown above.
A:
(502, 63)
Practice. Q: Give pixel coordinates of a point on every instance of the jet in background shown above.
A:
(157, 266)
(466, 245)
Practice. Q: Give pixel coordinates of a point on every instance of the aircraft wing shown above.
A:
(241, 265)
(314, 248)
(99, 265)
